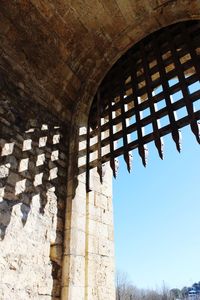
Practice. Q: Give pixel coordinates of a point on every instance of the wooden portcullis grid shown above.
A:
(152, 90)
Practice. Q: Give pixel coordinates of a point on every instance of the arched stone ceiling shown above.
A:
(59, 51)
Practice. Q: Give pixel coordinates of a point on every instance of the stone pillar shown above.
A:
(88, 264)
(100, 239)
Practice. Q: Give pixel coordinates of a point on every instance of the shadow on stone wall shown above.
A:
(32, 165)
(33, 169)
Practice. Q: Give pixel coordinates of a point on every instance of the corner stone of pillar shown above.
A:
(88, 265)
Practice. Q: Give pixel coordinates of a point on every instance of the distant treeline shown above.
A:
(127, 291)
(188, 292)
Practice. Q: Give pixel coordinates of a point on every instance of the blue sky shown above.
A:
(157, 216)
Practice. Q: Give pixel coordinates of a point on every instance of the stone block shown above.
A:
(76, 275)
(75, 242)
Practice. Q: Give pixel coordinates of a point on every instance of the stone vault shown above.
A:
(56, 239)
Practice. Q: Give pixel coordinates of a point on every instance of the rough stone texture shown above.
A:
(54, 54)
(62, 49)
(88, 265)
(100, 239)
(33, 179)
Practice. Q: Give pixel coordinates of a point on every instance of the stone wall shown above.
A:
(50, 250)
(62, 49)
(33, 166)
(100, 260)
(88, 264)
(57, 53)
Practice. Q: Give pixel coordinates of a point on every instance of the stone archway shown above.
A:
(95, 290)
(53, 56)
(153, 18)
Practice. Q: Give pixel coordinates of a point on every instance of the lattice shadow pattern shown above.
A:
(151, 91)
(32, 170)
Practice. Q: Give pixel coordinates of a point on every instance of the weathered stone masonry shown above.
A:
(33, 164)
(55, 54)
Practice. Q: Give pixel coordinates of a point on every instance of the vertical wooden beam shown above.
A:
(174, 129)
(142, 150)
(112, 157)
(99, 163)
(157, 140)
(124, 129)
